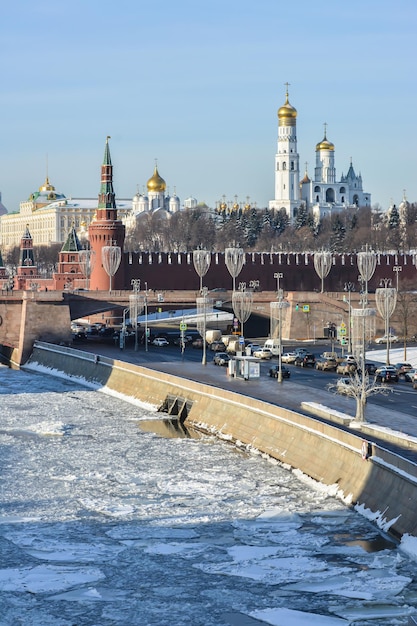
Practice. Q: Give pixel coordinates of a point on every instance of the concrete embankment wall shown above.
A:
(384, 482)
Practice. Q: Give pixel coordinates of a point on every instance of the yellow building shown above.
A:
(50, 215)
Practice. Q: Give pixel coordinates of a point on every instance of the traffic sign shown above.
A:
(183, 326)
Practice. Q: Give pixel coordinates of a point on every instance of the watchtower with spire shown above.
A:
(27, 272)
(106, 229)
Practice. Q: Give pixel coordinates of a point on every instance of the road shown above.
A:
(402, 397)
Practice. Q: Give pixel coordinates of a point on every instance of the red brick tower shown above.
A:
(69, 274)
(106, 230)
(27, 272)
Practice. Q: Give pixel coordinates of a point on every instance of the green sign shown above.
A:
(183, 326)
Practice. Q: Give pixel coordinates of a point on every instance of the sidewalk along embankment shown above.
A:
(381, 484)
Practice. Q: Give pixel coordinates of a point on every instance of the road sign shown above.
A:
(241, 341)
(183, 326)
(342, 331)
(306, 308)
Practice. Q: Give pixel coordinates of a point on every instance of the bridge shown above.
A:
(27, 316)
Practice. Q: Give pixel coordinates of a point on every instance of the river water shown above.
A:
(103, 523)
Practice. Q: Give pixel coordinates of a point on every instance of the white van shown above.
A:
(273, 345)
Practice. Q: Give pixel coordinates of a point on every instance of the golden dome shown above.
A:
(156, 183)
(324, 145)
(287, 114)
(47, 186)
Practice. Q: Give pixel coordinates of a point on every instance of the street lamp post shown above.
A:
(386, 300)
(280, 305)
(366, 261)
(322, 265)
(349, 287)
(397, 269)
(203, 303)
(146, 316)
(135, 282)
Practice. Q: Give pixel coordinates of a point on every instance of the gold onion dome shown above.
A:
(324, 144)
(287, 114)
(156, 183)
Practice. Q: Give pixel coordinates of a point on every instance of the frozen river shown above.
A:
(105, 524)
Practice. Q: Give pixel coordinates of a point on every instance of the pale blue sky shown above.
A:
(197, 86)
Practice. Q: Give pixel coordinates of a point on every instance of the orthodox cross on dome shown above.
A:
(325, 129)
(287, 85)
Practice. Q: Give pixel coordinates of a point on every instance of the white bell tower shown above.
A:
(287, 167)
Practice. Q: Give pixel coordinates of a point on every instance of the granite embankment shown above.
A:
(361, 472)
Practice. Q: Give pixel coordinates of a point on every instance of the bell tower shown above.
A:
(106, 230)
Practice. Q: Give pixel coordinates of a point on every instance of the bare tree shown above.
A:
(355, 390)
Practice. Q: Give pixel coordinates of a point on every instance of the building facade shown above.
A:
(323, 194)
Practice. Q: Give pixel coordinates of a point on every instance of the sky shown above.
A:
(197, 86)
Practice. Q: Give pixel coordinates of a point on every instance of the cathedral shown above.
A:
(322, 194)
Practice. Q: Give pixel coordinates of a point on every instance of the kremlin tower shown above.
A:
(106, 231)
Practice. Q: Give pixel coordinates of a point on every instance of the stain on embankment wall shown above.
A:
(382, 483)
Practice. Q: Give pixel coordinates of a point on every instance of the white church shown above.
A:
(324, 194)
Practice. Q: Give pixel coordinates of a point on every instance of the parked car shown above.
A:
(326, 364)
(160, 342)
(263, 353)
(344, 385)
(402, 368)
(392, 339)
(221, 358)
(285, 372)
(346, 367)
(217, 346)
(409, 376)
(414, 381)
(305, 360)
(289, 357)
(386, 374)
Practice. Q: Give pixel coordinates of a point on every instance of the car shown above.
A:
(197, 343)
(263, 353)
(221, 358)
(285, 372)
(305, 360)
(370, 368)
(346, 367)
(289, 357)
(178, 341)
(409, 376)
(160, 342)
(349, 358)
(253, 347)
(414, 381)
(326, 364)
(391, 338)
(402, 368)
(217, 346)
(386, 374)
(301, 351)
(344, 386)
